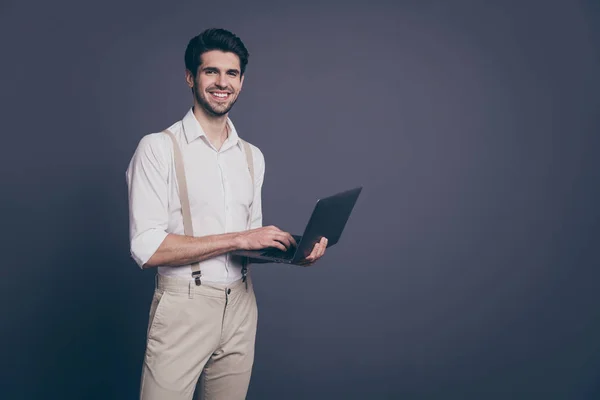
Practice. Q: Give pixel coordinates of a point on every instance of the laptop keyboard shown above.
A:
(276, 253)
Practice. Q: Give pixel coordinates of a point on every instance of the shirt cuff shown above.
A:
(145, 245)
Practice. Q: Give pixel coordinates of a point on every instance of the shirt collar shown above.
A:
(193, 130)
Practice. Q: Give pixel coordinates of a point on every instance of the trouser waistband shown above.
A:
(179, 285)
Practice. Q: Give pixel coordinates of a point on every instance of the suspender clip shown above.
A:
(197, 276)
(244, 274)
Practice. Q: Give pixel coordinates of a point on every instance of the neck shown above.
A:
(214, 127)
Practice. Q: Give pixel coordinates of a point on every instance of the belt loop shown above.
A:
(191, 289)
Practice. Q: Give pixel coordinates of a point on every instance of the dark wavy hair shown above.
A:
(214, 39)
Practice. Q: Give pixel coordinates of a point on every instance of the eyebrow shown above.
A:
(215, 69)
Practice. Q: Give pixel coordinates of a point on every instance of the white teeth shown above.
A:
(221, 94)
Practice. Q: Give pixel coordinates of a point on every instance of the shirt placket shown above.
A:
(226, 201)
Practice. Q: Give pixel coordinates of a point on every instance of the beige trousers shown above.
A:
(199, 334)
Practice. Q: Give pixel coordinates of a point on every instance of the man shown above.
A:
(203, 315)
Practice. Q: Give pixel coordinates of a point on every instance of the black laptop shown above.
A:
(328, 220)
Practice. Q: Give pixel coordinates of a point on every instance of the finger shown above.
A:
(278, 237)
(319, 253)
(278, 232)
(279, 245)
(319, 249)
(323, 247)
(292, 240)
(312, 256)
(285, 239)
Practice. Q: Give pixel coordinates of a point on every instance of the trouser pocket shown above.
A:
(157, 302)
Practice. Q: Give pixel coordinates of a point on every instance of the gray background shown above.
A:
(469, 268)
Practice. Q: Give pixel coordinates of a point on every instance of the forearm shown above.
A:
(177, 250)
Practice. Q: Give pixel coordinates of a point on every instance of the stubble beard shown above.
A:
(204, 102)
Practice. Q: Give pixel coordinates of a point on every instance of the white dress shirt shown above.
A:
(219, 187)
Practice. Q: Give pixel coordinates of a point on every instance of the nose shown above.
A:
(222, 81)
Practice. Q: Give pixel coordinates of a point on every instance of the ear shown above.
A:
(189, 78)
(242, 82)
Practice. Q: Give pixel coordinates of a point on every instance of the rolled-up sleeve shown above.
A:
(146, 178)
(259, 176)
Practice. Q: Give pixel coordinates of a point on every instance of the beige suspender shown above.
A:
(250, 162)
(188, 229)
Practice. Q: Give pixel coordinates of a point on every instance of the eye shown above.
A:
(232, 73)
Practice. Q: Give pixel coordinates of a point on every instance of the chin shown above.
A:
(221, 108)
(219, 112)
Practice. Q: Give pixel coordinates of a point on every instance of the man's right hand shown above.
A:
(267, 236)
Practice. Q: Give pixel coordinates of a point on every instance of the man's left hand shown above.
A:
(317, 252)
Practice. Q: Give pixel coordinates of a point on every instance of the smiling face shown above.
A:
(218, 82)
